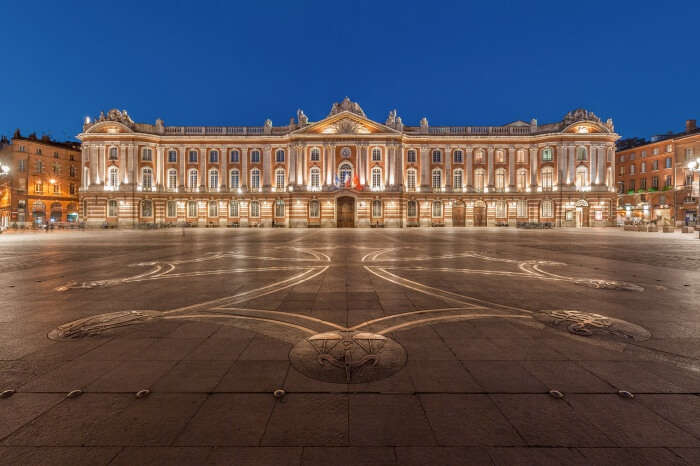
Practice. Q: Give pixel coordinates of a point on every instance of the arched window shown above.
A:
(193, 156)
(279, 208)
(581, 153)
(172, 178)
(279, 178)
(437, 156)
(213, 156)
(437, 209)
(546, 182)
(547, 155)
(500, 179)
(520, 156)
(315, 178)
(457, 179)
(376, 178)
(233, 209)
(193, 178)
(172, 156)
(500, 156)
(547, 209)
(376, 208)
(521, 179)
(235, 179)
(279, 156)
(213, 179)
(376, 154)
(411, 179)
(213, 209)
(457, 156)
(254, 209)
(147, 179)
(147, 155)
(411, 156)
(191, 208)
(315, 154)
(412, 210)
(314, 208)
(112, 208)
(255, 179)
(479, 156)
(345, 173)
(437, 179)
(255, 156)
(582, 177)
(479, 178)
(113, 155)
(235, 156)
(147, 208)
(114, 177)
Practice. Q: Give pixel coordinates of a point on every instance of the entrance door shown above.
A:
(582, 217)
(479, 216)
(458, 216)
(346, 212)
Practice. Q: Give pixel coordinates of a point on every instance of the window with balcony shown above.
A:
(655, 182)
(411, 179)
(235, 179)
(437, 179)
(147, 179)
(315, 178)
(279, 178)
(376, 178)
(113, 177)
(479, 179)
(193, 178)
(457, 179)
(172, 178)
(521, 179)
(214, 179)
(500, 179)
(547, 178)
(255, 179)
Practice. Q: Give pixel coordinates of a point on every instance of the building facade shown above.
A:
(347, 170)
(42, 183)
(653, 179)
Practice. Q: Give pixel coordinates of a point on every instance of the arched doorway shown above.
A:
(479, 214)
(39, 212)
(582, 213)
(56, 212)
(458, 214)
(346, 212)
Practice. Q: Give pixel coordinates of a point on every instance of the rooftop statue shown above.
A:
(347, 106)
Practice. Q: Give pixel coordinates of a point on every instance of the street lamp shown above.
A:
(694, 166)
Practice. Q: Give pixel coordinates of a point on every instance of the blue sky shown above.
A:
(458, 63)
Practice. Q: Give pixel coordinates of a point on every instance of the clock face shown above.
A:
(345, 152)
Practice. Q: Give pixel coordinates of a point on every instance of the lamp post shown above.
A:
(694, 167)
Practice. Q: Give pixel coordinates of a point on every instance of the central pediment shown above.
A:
(346, 123)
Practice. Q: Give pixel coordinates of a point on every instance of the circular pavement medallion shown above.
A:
(348, 357)
(589, 323)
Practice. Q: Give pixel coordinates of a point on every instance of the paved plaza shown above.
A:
(388, 347)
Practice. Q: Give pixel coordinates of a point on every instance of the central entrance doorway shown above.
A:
(458, 214)
(480, 214)
(346, 212)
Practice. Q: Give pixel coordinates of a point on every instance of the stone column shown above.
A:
(363, 158)
(533, 168)
(291, 165)
(159, 165)
(224, 179)
(448, 168)
(331, 164)
(389, 179)
(570, 159)
(511, 168)
(400, 159)
(203, 169)
(267, 167)
(94, 165)
(492, 174)
(561, 165)
(602, 165)
(300, 154)
(593, 165)
(470, 168)
(182, 155)
(102, 154)
(304, 166)
(424, 167)
(244, 169)
(123, 176)
(133, 164)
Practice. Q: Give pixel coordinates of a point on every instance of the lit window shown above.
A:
(546, 181)
(437, 209)
(193, 179)
(522, 208)
(279, 178)
(147, 178)
(520, 156)
(412, 210)
(669, 148)
(582, 176)
(521, 179)
(479, 156)
(411, 179)
(376, 154)
(233, 209)
(315, 177)
(437, 179)
(314, 209)
(192, 208)
(315, 154)
(376, 208)
(457, 182)
(114, 177)
(255, 179)
(172, 178)
(147, 208)
(254, 209)
(376, 178)
(479, 176)
(213, 209)
(500, 156)
(500, 209)
(345, 172)
(112, 208)
(547, 210)
(213, 179)
(235, 179)
(172, 209)
(547, 155)
(500, 179)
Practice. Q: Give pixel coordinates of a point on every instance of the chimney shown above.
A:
(690, 125)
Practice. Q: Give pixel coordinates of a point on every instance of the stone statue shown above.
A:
(399, 124)
(301, 118)
(424, 123)
(268, 123)
(160, 126)
(391, 119)
(347, 106)
(609, 124)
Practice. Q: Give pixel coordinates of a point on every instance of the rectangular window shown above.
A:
(214, 156)
(235, 156)
(172, 156)
(56, 188)
(632, 185)
(546, 155)
(314, 209)
(255, 156)
(437, 209)
(233, 209)
(654, 181)
(655, 151)
(192, 208)
(112, 208)
(279, 156)
(376, 208)
(411, 156)
(22, 165)
(622, 158)
(254, 209)
(71, 188)
(279, 179)
(412, 208)
(457, 155)
(522, 208)
(668, 180)
(500, 209)
(643, 183)
(458, 179)
(655, 165)
(598, 215)
(376, 154)
(437, 156)
(172, 209)
(644, 154)
(38, 187)
(193, 156)
(147, 155)
(669, 148)
(668, 162)
(411, 179)
(547, 209)
(279, 208)
(213, 209)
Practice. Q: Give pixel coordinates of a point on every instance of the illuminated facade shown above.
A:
(349, 171)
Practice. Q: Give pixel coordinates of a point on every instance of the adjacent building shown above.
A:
(347, 170)
(653, 179)
(42, 182)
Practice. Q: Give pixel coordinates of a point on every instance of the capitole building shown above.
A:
(347, 170)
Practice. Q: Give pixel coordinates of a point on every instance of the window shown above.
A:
(457, 181)
(147, 208)
(547, 175)
(214, 179)
(111, 208)
(643, 183)
(668, 181)
(521, 179)
(620, 187)
(437, 156)
(581, 154)
(547, 155)
(500, 179)
(479, 178)
(632, 156)
(38, 187)
(655, 151)
(214, 156)
(147, 179)
(315, 154)
(500, 156)
(376, 154)
(314, 209)
(376, 208)
(172, 156)
(23, 166)
(147, 155)
(411, 179)
(193, 156)
(411, 156)
(688, 153)
(279, 156)
(643, 167)
(172, 178)
(193, 178)
(437, 179)
(479, 156)
(71, 158)
(255, 179)
(254, 209)
(315, 178)
(622, 158)
(71, 171)
(376, 178)
(40, 166)
(255, 156)
(113, 177)
(279, 208)
(437, 209)
(56, 169)
(213, 209)
(582, 176)
(668, 162)
(669, 147)
(457, 156)
(56, 188)
(71, 188)
(22, 149)
(233, 209)
(632, 185)
(412, 210)
(522, 208)
(622, 170)
(633, 169)
(235, 179)
(279, 178)
(655, 182)
(547, 209)
(172, 209)
(191, 208)
(112, 153)
(654, 164)
(235, 156)
(500, 209)
(38, 150)
(345, 173)
(520, 156)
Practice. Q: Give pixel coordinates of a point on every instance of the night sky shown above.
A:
(238, 63)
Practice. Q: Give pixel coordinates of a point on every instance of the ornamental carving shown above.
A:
(113, 115)
(580, 114)
(347, 106)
